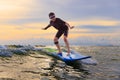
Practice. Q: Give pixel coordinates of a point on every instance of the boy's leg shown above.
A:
(67, 44)
(57, 36)
(66, 41)
(57, 44)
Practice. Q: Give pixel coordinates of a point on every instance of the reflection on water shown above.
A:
(38, 66)
(71, 71)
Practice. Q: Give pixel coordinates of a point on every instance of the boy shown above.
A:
(62, 28)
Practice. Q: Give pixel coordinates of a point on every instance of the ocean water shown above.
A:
(108, 58)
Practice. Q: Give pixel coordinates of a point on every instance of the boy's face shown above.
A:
(52, 18)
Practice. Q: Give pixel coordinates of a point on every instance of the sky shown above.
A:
(97, 22)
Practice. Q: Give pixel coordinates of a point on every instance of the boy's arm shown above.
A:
(46, 27)
(71, 27)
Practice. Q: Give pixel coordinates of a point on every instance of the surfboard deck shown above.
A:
(71, 57)
(74, 56)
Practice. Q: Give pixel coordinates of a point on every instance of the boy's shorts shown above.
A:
(60, 32)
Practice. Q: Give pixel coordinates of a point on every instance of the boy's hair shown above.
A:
(51, 14)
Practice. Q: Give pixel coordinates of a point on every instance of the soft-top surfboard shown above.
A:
(74, 56)
(88, 61)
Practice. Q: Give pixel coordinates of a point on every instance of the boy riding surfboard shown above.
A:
(63, 28)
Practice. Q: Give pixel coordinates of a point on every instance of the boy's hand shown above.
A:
(43, 29)
(72, 27)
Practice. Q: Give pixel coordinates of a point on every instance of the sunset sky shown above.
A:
(95, 21)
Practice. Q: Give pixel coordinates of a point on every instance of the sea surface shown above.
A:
(36, 65)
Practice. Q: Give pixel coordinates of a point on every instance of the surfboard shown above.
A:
(88, 61)
(74, 56)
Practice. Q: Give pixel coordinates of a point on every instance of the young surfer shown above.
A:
(63, 28)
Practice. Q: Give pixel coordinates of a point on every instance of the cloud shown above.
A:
(23, 19)
(21, 11)
(100, 22)
(82, 9)
(18, 10)
(101, 29)
(18, 32)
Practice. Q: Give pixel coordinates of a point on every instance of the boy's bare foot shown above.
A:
(68, 53)
(60, 54)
